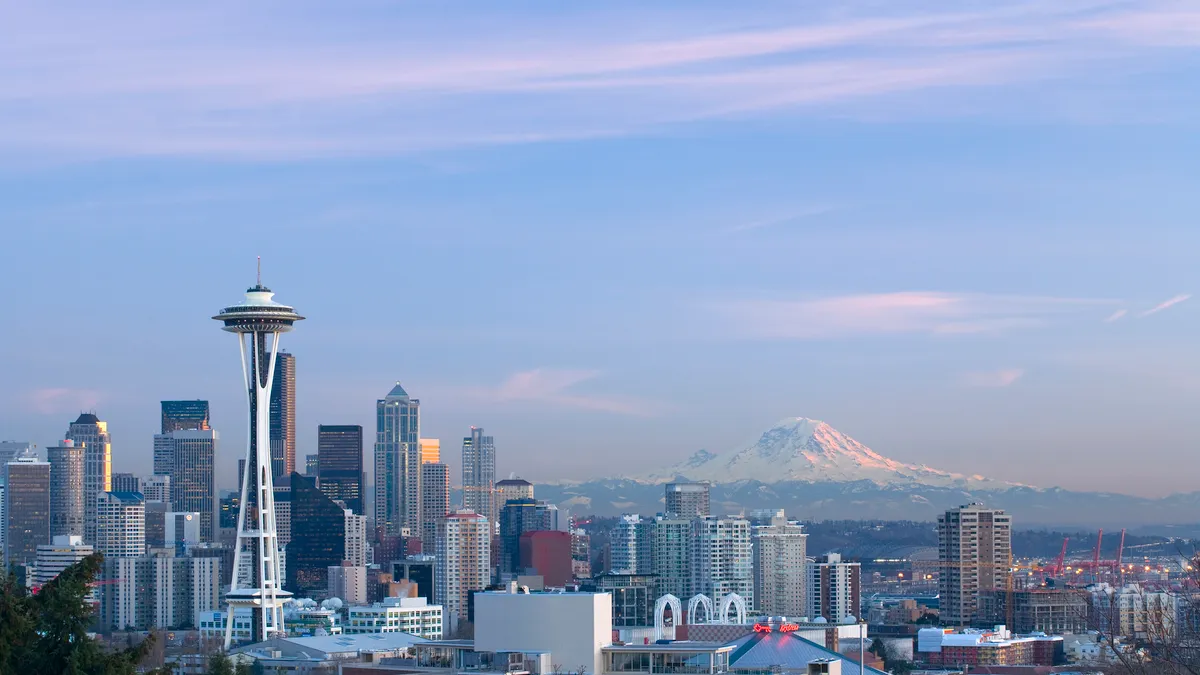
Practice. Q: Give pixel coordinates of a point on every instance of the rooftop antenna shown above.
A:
(260, 270)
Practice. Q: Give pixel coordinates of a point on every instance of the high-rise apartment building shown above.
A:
(464, 553)
(283, 415)
(722, 562)
(66, 489)
(121, 525)
(357, 549)
(975, 552)
(184, 416)
(687, 500)
(435, 501)
(92, 433)
(834, 589)
(340, 458)
(431, 450)
(479, 474)
(779, 549)
(193, 477)
(674, 544)
(397, 462)
(126, 482)
(26, 509)
(631, 546)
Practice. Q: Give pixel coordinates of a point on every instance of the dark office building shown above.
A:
(184, 416)
(193, 480)
(156, 524)
(229, 508)
(126, 482)
(340, 463)
(516, 518)
(419, 569)
(318, 537)
(283, 416)
(27, 508)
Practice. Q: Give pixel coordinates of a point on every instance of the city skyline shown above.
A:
(962, 236)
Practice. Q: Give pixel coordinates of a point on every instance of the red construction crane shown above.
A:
(1062, 556)
(1096, 555)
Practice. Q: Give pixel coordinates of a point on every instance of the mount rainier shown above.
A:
(816, 472)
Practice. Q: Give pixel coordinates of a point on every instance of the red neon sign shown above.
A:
(789, 628)
(762, 628)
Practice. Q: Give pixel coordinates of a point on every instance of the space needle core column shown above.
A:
(258, 321)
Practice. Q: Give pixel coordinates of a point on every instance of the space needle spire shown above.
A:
(258, 321)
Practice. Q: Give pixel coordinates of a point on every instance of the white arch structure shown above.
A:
(660, 619)
(736, 601)
(696, 601)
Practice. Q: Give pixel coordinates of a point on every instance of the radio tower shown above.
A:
(258, 320)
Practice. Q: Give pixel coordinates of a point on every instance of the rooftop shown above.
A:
(87, 418)
(398, 393)
(320, 647)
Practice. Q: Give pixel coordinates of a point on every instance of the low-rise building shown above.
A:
(397, 615)
(995, 647)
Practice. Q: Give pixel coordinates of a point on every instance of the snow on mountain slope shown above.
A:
(802, 449)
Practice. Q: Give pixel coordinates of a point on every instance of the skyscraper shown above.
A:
(687, 500)
(312, 464)
(126, 482)
(674, 544)
(834, 589)
(723, 563)
(318, 537)
(479, 474)
(66, 489)
(193, 477)
(340, 462)
(397, 462)
(975, 549)
(435, 501)
(632, 546)
(258, 322)
(121, 525)
(779, 550)
(283, 416)
(27, 508)
(184, 416)
(92, 433)
(431, 450)
(464, 545)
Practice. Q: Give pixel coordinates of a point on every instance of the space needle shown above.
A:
(258, 321)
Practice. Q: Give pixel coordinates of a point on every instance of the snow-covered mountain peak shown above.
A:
(799, 448)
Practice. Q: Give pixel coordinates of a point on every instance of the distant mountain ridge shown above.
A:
(818, 473)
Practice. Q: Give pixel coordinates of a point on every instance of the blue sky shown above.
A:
(617, 233)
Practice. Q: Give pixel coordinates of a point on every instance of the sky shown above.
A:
(615, 233)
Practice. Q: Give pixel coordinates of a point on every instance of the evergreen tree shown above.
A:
(46, 632)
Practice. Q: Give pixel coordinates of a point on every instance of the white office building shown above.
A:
(53, 558)
(121, 524)
(358, 548)
(157, 488)
(397, 615)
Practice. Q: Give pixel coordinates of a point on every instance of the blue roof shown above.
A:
(129, 496)
(762, 651)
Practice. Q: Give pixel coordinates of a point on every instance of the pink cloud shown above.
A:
(54, 400)
(552, 386)
(993, 378)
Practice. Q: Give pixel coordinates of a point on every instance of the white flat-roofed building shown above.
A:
(572, 626)
(397, 615)
(53, 558)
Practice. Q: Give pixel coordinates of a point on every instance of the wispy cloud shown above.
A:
(62, 400)
(1166, 304)
(790, 218)
(1116, 316)
(173, 80)
(933, 313)
(555, 387)
(993, 378)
